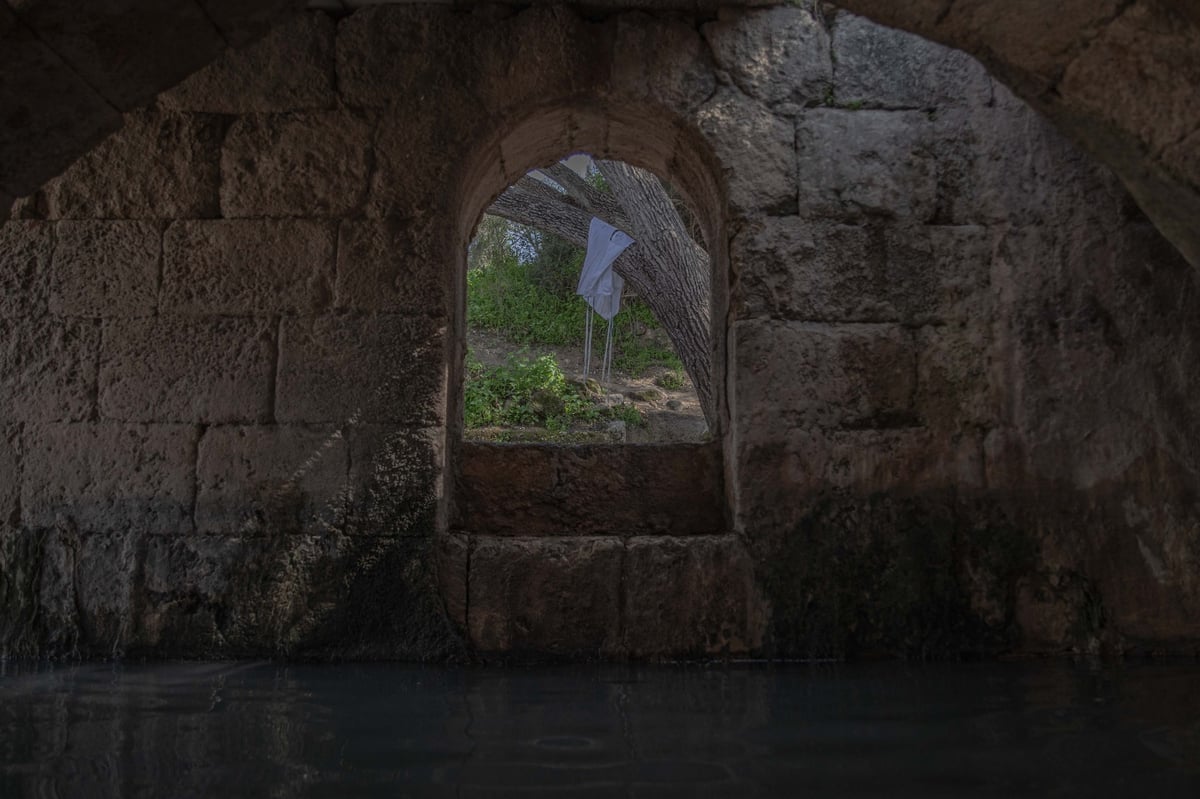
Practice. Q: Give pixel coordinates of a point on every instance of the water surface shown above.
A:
(265, 729)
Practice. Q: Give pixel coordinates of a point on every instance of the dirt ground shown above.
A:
(671, 416)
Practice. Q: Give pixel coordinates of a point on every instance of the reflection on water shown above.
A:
(261, 729)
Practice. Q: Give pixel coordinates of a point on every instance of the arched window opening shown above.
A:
(588, 304)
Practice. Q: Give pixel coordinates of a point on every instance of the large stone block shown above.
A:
(10, 475)
(381, 48)
(791, 267)
(419, 144)
(866, 163)
(290, 69)
(385, 369)
(158, 166)
(171, 40)
(105, 268)
(51, 113)
(880, 67)
(271, 480)
(307, 164)
(452, 553)
(756, 150)
(39, 616)
(241, 22)
(106, 589)
(515, 61)
(391, 266)
(691, 597)
(782, 478)
(395, 479)
(179, 369)
(1163, 53)
(954, 387)
(248, 267)
(109, 476)
(777, 55)
(617, 490)
(48, 368)
(804, 375)
(546, 596)
(1006, 164)
(661, 61)
(25, 250)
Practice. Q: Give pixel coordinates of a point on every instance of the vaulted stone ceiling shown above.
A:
(1121, 77)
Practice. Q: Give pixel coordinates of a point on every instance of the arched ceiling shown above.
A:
(1121, 77)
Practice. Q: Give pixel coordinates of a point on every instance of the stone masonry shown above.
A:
(959, 409)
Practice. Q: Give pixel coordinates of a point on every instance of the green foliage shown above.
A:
(523, 392)
(535, 303)
(672, 380)
(627, 413)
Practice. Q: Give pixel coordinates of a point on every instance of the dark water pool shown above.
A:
(263, 729)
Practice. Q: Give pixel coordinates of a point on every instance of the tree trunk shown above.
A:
(665, 266)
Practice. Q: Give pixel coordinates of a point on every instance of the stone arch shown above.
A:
(647, 136)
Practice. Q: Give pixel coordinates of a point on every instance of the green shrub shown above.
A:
(523, 392)
(530, 306)
(672, 380)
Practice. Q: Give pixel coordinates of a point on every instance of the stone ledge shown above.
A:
(524, 490)
(601, 596)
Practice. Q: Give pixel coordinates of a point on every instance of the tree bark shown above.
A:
(665, 266)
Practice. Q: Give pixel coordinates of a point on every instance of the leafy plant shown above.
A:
(672, 380)
(535, 303)
(523, 392)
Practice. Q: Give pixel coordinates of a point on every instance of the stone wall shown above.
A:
(957, 416)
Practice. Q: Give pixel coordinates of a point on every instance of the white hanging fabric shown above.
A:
(601, 287)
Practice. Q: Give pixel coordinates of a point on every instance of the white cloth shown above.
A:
(599, 285)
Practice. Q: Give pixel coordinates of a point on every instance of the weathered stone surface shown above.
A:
(691, 596)
(525, 490)
(1101, 71)
(339, 369)
(307, 164)
(38, 611)
(663, 61)
(953, 387)
(520, 62)
(248, 267)
(173, 369)
(51, 114)
(866, 163)
(382, 48)
(271, 480)
(818, 375)
(25, 249)
(545, 596)
(109, 476)
(240, 21)
(395, 479)
(791, 267)
(363, 598)
(887, 68)
(10, 475)
(388, 266)
(158, 166)
(106, 588)
(1005, 164)
(172, 39)
(744, 132)
(453, 551)
(404, 181)
(48, 368)
(105, 268)
(291, 69)
(777, 55)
